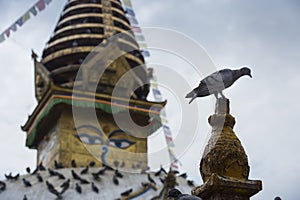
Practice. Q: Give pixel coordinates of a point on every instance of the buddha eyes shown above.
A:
(88, 139)
(120, 143)
(94, 140)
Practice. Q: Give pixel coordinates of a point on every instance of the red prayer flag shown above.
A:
(40, 5)
(7, 32)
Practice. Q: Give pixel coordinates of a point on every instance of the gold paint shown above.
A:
(78, 26)
(224, 165)
(74, 37)
(78, 16)
(67, 51)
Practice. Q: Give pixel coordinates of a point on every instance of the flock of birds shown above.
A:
(80, 180)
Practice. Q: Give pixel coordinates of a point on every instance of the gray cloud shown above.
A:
(261, 34)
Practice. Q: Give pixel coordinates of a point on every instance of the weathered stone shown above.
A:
(224, 165)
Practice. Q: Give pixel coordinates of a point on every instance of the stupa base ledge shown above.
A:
(221, 188)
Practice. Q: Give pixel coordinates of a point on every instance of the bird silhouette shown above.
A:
(96, 176)
(25, 197)
(84, 181)
(2, 186)
(94, 188)
(75, 176)
(151, 179)
(101, 171)
(92, 164)
(127, 192)
(39, 177)
(57, 165)
(217, 82)
(52, 172)
(16, 177)
(190, 183)
(73, 164)
(60, 176)
(65, 184)
(184, 175)
(118, 174)
(41, 167)
(177, 195)
(78, 188)
(115, 180)
(26, 183)
(85, 170)
(28, 170)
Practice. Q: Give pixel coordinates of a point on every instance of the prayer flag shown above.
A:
(26, 16)
(143, 45)
(127, 3)
(33, 10)
(136, 29)
(13, 27)
(130, 12)
(133, 20)
(20, 21)
(146, 53)
(2, 37)
(40, 5)
(7, 32)
(48, 2)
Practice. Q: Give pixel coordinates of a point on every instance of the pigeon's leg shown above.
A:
(222, 95)
(216, 95)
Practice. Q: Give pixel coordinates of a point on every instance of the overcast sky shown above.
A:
(264, 35)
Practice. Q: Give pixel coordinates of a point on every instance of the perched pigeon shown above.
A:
(177, 195)
(217, 82)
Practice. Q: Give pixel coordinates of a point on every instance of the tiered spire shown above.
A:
(82, 26)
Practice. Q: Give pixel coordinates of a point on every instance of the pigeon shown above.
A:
(118, 174)
(52, 189)
(39, 177)
(101, 171)
(85, 170)
(60, 176)
(8, 177)
(65, 184)
(96, 176)
(25, 197)
(177, 195)
(92, 164)
(190, 183)
(115, 180)
(184, 175)
(78, 188)
(52, 172)
(16, 177)
(28, 170)
(217, 82)
(75, 176)
(127, 192)
(41, 167)
(94, 188)
(84, 181)
(73, 163)
(2, 186)
(26, 183)
(277, 198)
(57, 165)
(151, 179)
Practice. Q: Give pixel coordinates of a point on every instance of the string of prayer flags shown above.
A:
(38, 7)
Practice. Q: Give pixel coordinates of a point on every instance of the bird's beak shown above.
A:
(250, 75)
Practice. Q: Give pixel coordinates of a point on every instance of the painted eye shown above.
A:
(87, 139)
(120, 143)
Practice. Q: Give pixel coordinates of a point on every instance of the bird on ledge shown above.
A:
(217, 82)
